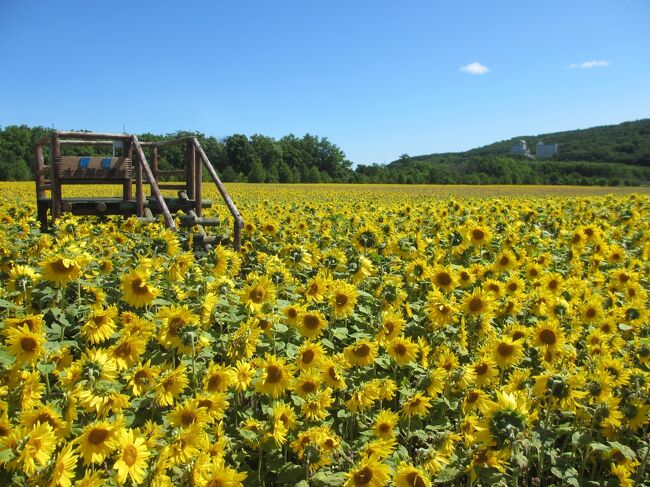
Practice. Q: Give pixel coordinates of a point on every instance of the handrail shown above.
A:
(169, 221)
(88, 136)
(162, 143)
(239, 221)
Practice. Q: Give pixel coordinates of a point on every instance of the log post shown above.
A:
(169, 221)
(239, 221)
(139, 190)
(154, 166)
(198, 184)
(55, 165)
(39, 179)
(38, 166)
(127, 190)
(190, 155)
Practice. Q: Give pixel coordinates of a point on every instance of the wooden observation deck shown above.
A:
(129, 167)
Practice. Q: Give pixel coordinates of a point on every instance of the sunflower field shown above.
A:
(364, 336)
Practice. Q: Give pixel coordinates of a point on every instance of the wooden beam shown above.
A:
(239, 221)
(92, 135)
(45, 139)
(169, 221)
(87, 142)
(174, 186)
(162, 143)
(43, 170)
(172, 172)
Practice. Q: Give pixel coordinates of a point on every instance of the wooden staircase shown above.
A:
(132, 167)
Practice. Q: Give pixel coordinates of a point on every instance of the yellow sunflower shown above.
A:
(366, 239)
(131, 458)
(385, 423)
(392, 325)
(307, 382)
(310, 355)
(443, 278)
(63, 471)
(332, 373)
(361, 353)
(408, 475)
(98, 440)
(311, 324)
(100, 325)
(218, 378)
(343, 297)
(478, 235)
(25, 345)
(369, 473)
(507, 352)
(505, 420)
(477, 303)
(61, 270)
(171, 385)
(37, 449)
(275, 376)
(187, 414)
(416, 405)
(257, 293)
(136, 290)
(402, 350)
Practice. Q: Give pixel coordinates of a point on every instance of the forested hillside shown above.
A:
(612, 155)
(627, 143)
(237, 157)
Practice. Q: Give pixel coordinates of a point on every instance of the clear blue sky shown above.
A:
(378, 78)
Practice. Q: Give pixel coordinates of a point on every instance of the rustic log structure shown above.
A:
(131, 166)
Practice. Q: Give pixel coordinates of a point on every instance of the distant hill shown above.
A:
(607, 155)
(627, 143)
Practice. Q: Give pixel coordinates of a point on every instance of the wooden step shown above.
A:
(174, 186)
(177, 204)
(190, 221)
(148, 217)
(199, 239)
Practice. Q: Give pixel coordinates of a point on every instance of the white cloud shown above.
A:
(475, 68)
(589, 64)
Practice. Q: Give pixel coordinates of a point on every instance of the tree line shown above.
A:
(314, 159)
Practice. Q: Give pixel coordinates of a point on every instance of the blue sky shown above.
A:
(378, 78)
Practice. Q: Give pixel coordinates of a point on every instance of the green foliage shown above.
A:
(477, 169)
(610, 155)
(237, 157)
(627, 143)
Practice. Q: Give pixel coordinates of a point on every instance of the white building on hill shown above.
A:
(545, 150)
(520, 149)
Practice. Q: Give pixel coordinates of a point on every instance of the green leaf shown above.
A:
(328, 478)
(46, 368)
(6, 358)
(624, 449)
(6, 304)
(6, 455)
(340, 333)
(447, 475)
(248, 434)
(573, 481)
(595, 446)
